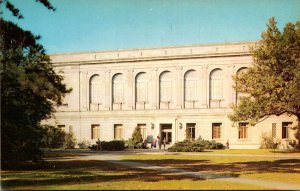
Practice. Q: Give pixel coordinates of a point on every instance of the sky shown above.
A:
(92, 25)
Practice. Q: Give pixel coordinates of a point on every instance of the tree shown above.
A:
(271, 86)
(137, 136)
(29, 90)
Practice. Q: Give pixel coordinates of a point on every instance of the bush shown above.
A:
(136, 141)
(115, 145)
(70, 141)
(52, 137)
(195, 146)
(84, 144)
(268, 142)
(187, 146)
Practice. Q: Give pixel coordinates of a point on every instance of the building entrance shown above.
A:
(166, 132)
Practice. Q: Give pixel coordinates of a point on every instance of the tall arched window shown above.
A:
(216, 84)
(118, 88)
(165, 86)
(141, 87)
(190, 85)
(95, 89)
(238, 94)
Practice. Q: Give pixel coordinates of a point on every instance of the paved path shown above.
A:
(116, 158)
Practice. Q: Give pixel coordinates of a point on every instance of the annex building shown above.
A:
(173, 92)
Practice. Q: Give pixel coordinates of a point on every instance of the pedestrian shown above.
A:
(165, 142)
(159, 141)
(153, 144)
(99, 146)
(227, 144)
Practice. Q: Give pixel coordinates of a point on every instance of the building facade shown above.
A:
(175, 92)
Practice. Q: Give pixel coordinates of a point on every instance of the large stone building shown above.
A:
(173, 92)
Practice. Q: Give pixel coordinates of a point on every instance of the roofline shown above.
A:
(154, 48)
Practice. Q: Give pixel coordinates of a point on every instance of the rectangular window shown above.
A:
(143, 129)
(273, 130)
(95, 131)
(285, 129)
(216, 130)
(118, 131)
(243, 130)
(190, 131)
(62, 127)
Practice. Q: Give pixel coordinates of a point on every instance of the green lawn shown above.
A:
(95, 174)
(255, 167)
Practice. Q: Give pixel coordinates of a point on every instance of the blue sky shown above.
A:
(89, 25)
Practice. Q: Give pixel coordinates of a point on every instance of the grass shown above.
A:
(259, 168)
(257, 151)
(98, 175)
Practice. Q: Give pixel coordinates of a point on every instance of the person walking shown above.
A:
(159, 141)
(227, 144)
(165, 142)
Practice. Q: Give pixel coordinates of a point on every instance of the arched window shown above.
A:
(190, 85)
(238, 94)
(165, 86)
(118, 88)
(95, 89)
(216, 84)
(141, 87)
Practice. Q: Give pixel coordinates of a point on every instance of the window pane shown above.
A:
(95, 131)
(118, 89)
(118, 131)
(285, 129)
(216, 84)
(216, 130)
(243, 130)
(166, 87)
(95, 89)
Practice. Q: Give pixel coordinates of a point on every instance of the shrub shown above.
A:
(115, 145)
(195, 146)
(137, 136)
(52, 137)
(268, 142)
(84, 144)
(187, 146)
(70, 141)
(136, 141)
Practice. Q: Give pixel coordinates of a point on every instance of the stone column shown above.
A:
(129, 89)
(204, 87)
(84, 91)
(179, 88)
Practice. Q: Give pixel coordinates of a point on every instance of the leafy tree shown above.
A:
(29, 90)
(271, 86)
(137, 136)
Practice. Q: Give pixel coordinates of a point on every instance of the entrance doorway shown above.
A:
(166, 132)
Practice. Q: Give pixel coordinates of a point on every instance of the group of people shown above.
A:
(159, 141)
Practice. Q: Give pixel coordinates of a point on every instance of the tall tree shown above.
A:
(29, 90)
(271, 86)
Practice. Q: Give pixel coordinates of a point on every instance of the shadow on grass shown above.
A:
(277, 166)
(74, 172)
(89, 171)
(285, 151)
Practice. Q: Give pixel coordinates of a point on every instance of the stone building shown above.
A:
(173, 92)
